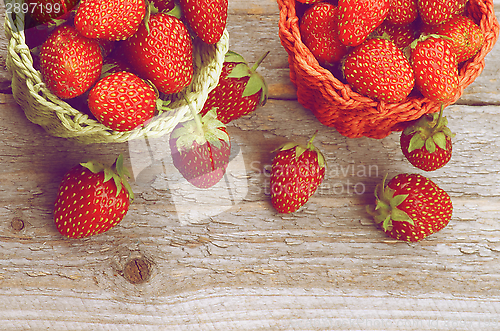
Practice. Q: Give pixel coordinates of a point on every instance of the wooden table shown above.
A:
(245, 267)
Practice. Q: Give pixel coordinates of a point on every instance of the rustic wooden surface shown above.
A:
(245, 267)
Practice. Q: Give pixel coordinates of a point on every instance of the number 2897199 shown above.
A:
(31, 7)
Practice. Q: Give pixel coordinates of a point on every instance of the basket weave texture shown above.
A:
(60, 119)
(335, 104)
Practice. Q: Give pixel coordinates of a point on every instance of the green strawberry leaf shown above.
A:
(213, 139)
(387, 222)
(234, 57)
(416, 142)
(129, 189)
(430, 146)
(239, 71)
(299, 151)
(440, 139)
(118, 183)
(401, 216)
(119, 165)
(287, 146)
(398, 199)
(448, 132)
(254, 85)
(95, 167)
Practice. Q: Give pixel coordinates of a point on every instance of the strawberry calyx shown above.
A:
(427, 36)
(151, 9)
(430, 130)
(408, 49)
(202, 130)
(299, 150)
(385, 210)
(117, 172)
(255, 81)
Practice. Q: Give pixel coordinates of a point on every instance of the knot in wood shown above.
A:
(137, 271)
(17, 224)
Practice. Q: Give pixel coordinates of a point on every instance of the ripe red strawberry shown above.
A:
(45, 11)
(402, 12)
(435, 67)
(122, 101)
(359, 18)
(411, 207)
(164, 55)
(401, 35)
(69, 63)
(89, 202)
(466, 36)
(207, 18)
(200, 149)
(109, 19)
(426, 144)
(239, 91)
(379, 70)
(319, 32)
(296, 173)
(435, 12)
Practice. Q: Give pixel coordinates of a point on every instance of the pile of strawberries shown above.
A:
(386, 50)
(118, 60)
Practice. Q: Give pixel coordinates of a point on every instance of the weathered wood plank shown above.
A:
(245, 267)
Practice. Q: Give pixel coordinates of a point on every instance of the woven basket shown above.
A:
(336, 105)
(60, 119)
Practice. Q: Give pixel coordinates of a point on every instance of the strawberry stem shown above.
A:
(310, 143)
(437, 126)
(259, 61)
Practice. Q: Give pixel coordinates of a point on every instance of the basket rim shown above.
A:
(80, 126)
(336, 104)
(347, 98)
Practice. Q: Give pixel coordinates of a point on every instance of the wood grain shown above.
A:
(223, 259)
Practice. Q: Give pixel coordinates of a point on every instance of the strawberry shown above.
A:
(239, 91)
(319, 32)
(435, 12)
(69, 62)
(109, 19)
(466, 36)
(402, 12)
(296, 173)
(164, 55)
(411, 207)
(200, 149)
(426, 144)
(401, 35)
(88, 202)
(45, 11)
(358, 18)
(379, 70)
(435, 67)
(122, 101)
(207, 18)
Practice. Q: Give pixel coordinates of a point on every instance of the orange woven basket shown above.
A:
(336, 105)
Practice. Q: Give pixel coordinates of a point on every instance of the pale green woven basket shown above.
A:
(59, 119)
